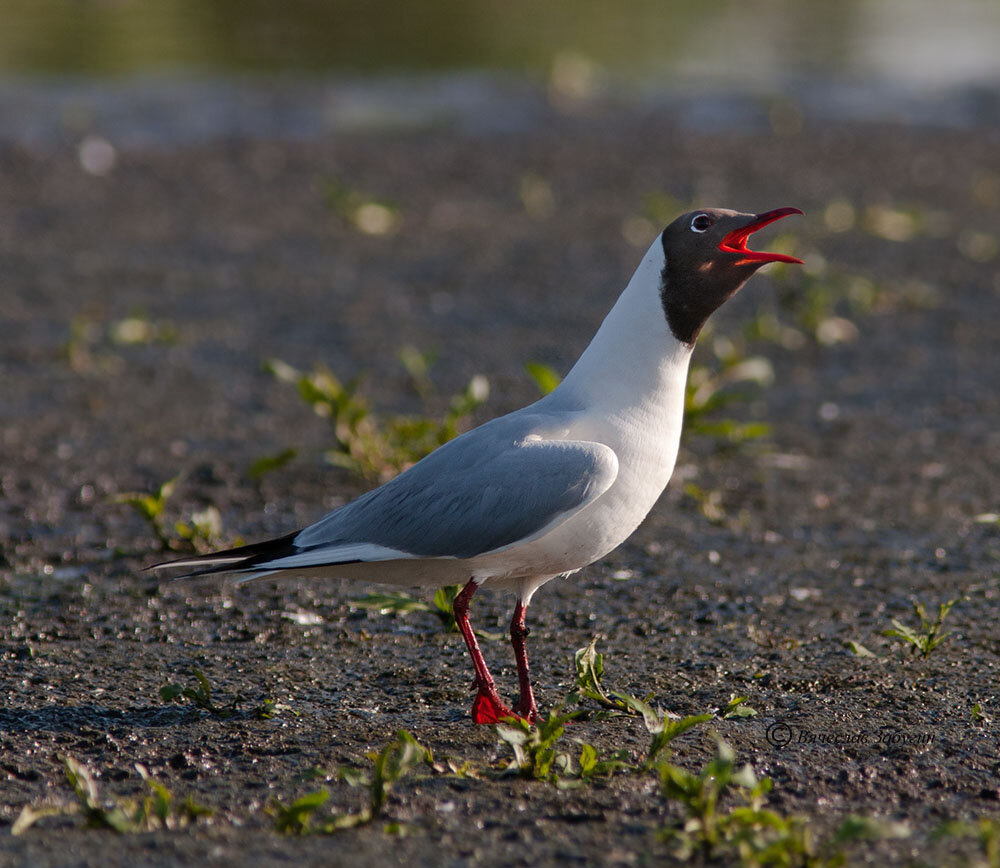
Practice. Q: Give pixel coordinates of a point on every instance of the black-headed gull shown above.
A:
(546, 490)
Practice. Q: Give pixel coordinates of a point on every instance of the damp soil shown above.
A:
(883, 450)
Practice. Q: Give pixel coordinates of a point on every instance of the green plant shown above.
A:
(755, 834)
(535, 755)
(546, 378)
(699, 795)
(986, 831)
(88, 347)
(202, 531)
(589, 665)
(200, 695)
(591, 766)
(363, 212)
(297, 818)
(736, 707)
(390, 603)
(709, 502)
(266, 463)
(389, 766)
(373, 447)
(663, 730)
(929, 635)
(158, 810)
(859, 650)
(442, 605)
(150, 507)
(708, 390)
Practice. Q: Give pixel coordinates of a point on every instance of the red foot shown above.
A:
(488, 710)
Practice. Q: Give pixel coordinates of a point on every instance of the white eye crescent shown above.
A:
(701, 222)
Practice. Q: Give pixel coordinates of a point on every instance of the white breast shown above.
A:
(627, 392)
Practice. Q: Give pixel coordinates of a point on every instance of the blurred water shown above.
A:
(303, 68)
(920, 42)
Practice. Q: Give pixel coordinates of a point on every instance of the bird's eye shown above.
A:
(701, 222)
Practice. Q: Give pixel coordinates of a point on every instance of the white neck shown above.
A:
(634, 359)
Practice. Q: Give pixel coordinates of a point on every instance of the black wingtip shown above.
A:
(230, 560)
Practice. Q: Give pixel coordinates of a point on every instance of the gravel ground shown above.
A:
(509, 247)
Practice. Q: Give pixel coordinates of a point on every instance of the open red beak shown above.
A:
(736, 241)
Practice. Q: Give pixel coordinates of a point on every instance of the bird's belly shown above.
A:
(594, 531)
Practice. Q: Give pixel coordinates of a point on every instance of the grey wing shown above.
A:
(471, 496)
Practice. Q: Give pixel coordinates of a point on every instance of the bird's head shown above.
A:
(707, 261)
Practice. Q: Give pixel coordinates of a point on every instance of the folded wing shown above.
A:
(484, 491)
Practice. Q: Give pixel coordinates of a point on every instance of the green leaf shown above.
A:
(589, 666)
(390, 603)
(652, 719)
(266, 463)
(170, 692)
(737, 708)
(546, 378)
(295, 819)
(30, 815)
(859, 650)
(857, 828)
(395, 761)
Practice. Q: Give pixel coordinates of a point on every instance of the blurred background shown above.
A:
(118, 64)
(912, 42)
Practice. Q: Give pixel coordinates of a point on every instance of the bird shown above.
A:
(544, 491)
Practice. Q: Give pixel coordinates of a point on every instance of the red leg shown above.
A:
(526, 706)
(487, 707)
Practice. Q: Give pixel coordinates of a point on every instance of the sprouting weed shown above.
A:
(709, 502)
(266, 463)
(699, 795)
(390, 603)
(546, 378)
(736, 707)
(663, 730)
(389, 766)
(591, 766)
(363, 212)
(297, 818)
(200, 695)
(442, 605)
(202, 531)
(418, 366)
(859, 650)
(979, 715)
(139, 329)
(393, 763)
(534, 746)
(708, 390)
(158, 810)
(986, 831)
(378, 448)
(750, 832)
(89, 348)
(589, 664)
(929, 635)
(150, 507)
